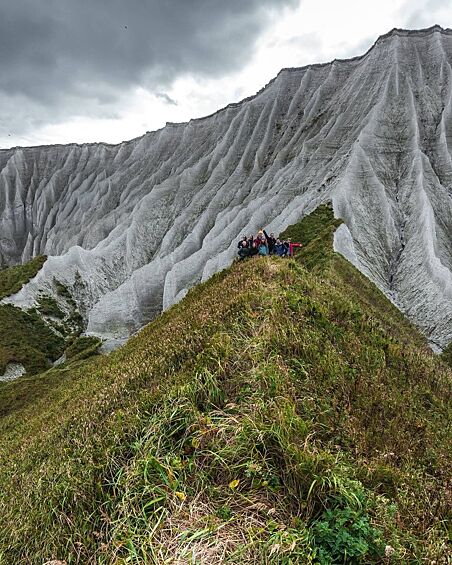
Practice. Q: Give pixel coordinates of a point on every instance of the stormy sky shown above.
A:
(108, 70)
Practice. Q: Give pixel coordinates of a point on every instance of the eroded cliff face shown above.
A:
(129, 228)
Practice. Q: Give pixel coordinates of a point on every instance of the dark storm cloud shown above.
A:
(93, 49)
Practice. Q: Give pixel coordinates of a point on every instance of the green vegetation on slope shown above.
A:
(82, 347)
(48, 306)
(12, 279)
(446, 355)
(38, 336)
(26, 339)
(279, 414)
(24, 336)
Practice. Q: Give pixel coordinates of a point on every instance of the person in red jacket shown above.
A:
(261, 243)
(292, 247)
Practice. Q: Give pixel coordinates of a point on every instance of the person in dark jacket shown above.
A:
(243, 248)
(271, 240)
(252, 247)
(280, 248)
(286, 244)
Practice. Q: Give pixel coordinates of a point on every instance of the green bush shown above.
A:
(26, 339)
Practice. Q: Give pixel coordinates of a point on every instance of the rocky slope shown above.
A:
(130, 227)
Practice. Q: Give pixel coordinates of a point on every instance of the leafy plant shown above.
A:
(345, 535)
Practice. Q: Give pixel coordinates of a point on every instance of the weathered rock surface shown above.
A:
(130, 227)
(13, 371)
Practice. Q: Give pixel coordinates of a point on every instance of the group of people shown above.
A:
(263, 244)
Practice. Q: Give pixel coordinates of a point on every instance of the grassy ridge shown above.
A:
(284, 412)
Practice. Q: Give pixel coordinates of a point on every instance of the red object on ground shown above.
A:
(291, 247)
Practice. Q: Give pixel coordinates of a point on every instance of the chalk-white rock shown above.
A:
(130, 227)
(13, 371)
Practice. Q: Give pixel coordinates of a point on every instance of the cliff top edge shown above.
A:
(395, 32)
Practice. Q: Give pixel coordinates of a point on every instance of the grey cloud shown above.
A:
(425, 13)
(68, 54)
(308, 41)
(164, 96)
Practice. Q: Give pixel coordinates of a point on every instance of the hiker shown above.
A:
(243, 248)
(271, 240)
(286, 244)
(252, 247)
(260, 234)
(257, 239)
(280, 248)
(262, 245)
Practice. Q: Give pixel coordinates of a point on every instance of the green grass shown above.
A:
(446, 355)
(283, 413)
(315, 233)
(12, 279)
(48, 306)
(26, 339)
(38, 336)
(82, 347)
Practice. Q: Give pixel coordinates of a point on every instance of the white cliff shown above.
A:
(131, 227)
